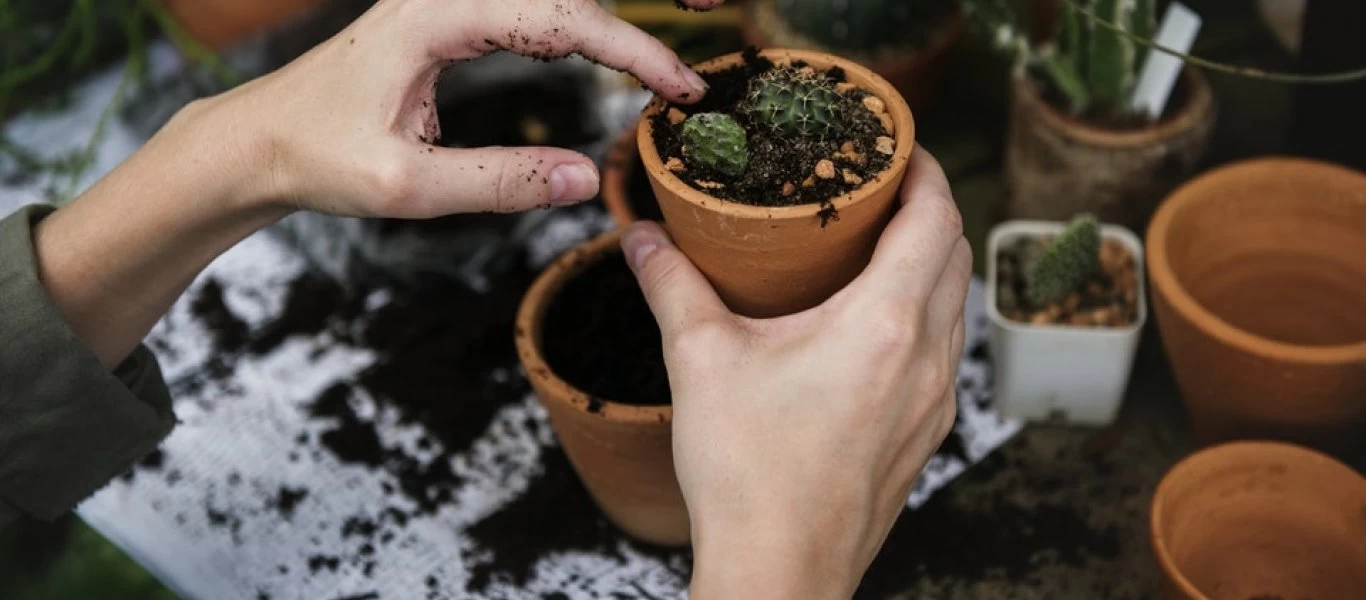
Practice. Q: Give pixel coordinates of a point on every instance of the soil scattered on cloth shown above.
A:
(601, 337)
(777, 161)
(1109, 298)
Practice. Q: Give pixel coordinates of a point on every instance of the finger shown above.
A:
(703, 4)
(426, 181)
(944, 311)
(678, 294)
(549, 30)
(915, 247)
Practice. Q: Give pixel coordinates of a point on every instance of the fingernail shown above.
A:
(694, 80)
(573, 183)
(639, 242)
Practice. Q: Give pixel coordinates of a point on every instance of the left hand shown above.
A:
(349, 127)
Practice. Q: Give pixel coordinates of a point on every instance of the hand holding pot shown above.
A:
(797, 439)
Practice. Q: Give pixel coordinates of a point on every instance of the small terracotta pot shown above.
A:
(617, 171)
(919, 76)
(1259, 277)
(623, 453)
(221, 23)
(1058, 166)
(1260, 520)
(772, 261)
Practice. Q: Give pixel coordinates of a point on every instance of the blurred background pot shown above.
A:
(1259, 276)
(623, 453)
(1260, 520)
(220, 24)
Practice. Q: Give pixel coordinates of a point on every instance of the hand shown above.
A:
(352, 122)
(797, 439)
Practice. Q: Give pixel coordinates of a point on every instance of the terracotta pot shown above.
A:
(221, 23)
(1259, 286)
(770, 261)
(623, 453)
(617, 171)
(1260, 520)
(1058, 166)
(918, 76)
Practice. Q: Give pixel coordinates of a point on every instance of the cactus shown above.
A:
(791, 102)
(860, 25)
(1093, 67)
(1063, 267)
(716, 141)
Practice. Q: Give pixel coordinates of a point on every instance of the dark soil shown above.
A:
(229, 331)
(601, 337)
(776, 160)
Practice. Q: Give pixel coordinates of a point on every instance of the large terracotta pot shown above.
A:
(1259, 277)
(771, 261)
(221, 23)
(1260, 520)
(918, 76)
(1058, 166)
(623, 453)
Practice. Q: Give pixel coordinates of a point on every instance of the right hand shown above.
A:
(797, 439)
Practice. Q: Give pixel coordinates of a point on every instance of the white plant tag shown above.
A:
(1160, 70)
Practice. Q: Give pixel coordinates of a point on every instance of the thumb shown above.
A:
(442, 181)
(678, 294)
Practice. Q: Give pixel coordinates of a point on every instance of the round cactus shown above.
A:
(716, 141)
(1063, 267)
(792, 102)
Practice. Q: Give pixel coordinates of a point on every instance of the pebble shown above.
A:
(710, 185)
(851, 177)
(674, 164)
(886, 145)
(875, 104)
(1102, 316)
(789, 189)
(810, 181)
(844, 87)
(1072, 302)
(825, 169)
(888, 124)
(676, 116)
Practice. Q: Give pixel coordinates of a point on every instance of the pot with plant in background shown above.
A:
(1077, 142)
(908, 42)
(1067, 308)
(779, 181)
(220, 24)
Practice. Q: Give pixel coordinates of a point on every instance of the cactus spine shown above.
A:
(716, 141)
(1063, 267)
(794, 102)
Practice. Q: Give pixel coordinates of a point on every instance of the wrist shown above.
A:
(778, 561)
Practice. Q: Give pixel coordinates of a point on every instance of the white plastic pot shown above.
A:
(1058, 372)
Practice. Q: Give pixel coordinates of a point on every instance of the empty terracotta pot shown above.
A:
(1260, 520)
(623, 453)
(771, 261)
(1258, 271)
(919, 76)
(222, 23)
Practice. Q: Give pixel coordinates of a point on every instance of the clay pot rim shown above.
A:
(1289, 454)
(616, 177)
(1165, 281)
(855, 73)
(1197, 107)
(531, 320)
(953, 26)
(1124, 235)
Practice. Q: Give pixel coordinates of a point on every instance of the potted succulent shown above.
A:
(908, 42)
(778, 182)
(609, 401)
(1075, 144)
(1067, 305)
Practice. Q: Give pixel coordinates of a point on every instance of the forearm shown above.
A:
(116, 258)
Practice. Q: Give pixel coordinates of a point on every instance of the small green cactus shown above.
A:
(1092, 66)
(1063, 267)
(716, 141)
(790, 102)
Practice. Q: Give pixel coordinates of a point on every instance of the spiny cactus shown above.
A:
(1063, 267)
(716, 141)
(1092, 65)
(861, 25)
(792, 102)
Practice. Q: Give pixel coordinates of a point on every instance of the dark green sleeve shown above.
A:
(67, 424)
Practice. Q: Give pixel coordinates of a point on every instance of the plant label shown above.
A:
(1158, 76)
